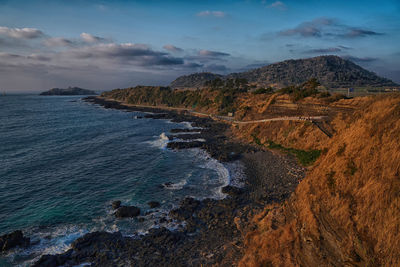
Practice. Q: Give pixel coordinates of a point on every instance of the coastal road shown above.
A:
(285, 118)
(230, 119)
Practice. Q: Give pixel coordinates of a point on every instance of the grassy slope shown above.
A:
(346, 212)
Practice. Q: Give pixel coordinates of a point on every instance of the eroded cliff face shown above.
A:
(346, 212)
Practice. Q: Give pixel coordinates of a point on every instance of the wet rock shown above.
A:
(187, 207)
(163, 220)
(153, 204)
(127, 212)
(12, 240)
(184, 145)
(184, 130)
(54, 260)
(232, 190)
(116, 204)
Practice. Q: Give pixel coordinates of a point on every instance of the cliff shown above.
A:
(346, 211)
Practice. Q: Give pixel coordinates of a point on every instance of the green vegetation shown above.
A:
(306, 158)
(156, 95)
(308, 88)
(330, 180)
(341, 150)
(351, 168)
(263, 91)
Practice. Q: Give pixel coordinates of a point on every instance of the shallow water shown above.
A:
(63, 161)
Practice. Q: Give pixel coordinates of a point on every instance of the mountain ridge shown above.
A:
(331, 71)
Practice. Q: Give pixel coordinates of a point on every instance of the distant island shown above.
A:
(69, 91)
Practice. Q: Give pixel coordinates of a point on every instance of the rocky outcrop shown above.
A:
(127, 212)
(12, 240)
(154, 204)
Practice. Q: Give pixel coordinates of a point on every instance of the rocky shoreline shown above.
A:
(213, 229)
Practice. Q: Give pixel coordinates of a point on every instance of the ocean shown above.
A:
(63, 161)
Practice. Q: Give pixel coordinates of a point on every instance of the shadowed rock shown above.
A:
(127, 212)
(12, 240)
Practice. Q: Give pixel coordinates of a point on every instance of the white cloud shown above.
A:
(59, 41)
(208, 53)
(278, 5)
(88, 38)
(207, 13)
(21, 33)
(172, 48)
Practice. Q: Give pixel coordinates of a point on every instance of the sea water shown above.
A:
(63, 161)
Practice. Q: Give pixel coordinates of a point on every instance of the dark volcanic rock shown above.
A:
(127, 211)
(184, 145)
(54, 260)
(184, 130)
(153, 204)
(12, 240)
(116, 204)
(232, 190)
(186, 209)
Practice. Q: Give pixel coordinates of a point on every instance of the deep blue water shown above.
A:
(63, 161)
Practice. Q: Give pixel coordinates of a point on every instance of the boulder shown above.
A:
(153, 204)
(12, 240)
(127, 212)
(232, 190)
(116, 204)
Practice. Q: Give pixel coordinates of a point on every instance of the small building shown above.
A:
(230, 114)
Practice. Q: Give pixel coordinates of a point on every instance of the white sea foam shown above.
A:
(213, 164)
(189, 140)
(161, 141)
(175, 186)
(188, 125)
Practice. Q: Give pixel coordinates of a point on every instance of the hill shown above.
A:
(194, 80)
(346, 211)
(69, 91)
(330, 71)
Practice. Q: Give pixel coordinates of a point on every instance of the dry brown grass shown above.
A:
(346, 212)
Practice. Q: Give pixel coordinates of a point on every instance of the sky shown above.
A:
(102, 45)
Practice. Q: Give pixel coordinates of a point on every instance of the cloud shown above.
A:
(88, 38)
(85, 39)
(309, 28)
(327, 27)
(356, 32)
(324, 50)
(207, 13)
(193, 65)
(172, 48)
(208, 53)
(18, 58)
(39, 57)
(21, 33)
(5, 55)
(139, 54)
(59, 41)
(278, 5)
(360, 59)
